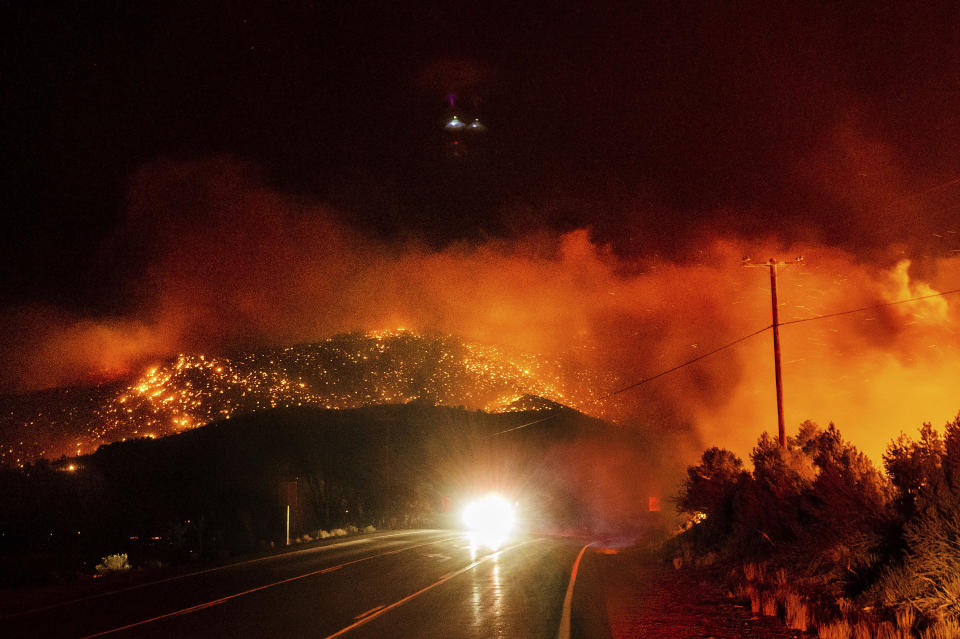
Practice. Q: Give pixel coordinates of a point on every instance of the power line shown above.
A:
(757, 332)
(867, 308)
(679, 366)
(728, 345)
(553, 414)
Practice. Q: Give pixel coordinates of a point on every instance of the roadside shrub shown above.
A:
(369, 529)
(113, 563)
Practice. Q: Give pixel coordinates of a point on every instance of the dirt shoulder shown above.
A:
(644, 598)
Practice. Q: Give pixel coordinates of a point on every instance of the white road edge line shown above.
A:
(445, 578)
(209, 604)
(563, 632)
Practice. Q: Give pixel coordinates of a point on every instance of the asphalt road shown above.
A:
(409, 584)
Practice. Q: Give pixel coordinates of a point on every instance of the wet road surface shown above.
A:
(410, 584)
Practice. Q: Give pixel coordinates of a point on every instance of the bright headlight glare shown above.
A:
(492, 513)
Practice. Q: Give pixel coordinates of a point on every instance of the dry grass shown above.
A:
(835, 630)
(863, 630)
(889, 630)
(797, 611)
(781, 577)
(753, 594)
(906, 617)
(755, 571)
(943, 629)
(768, 603)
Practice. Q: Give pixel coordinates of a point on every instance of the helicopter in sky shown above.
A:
(462, 128)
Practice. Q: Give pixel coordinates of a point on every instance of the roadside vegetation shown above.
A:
(819, 536)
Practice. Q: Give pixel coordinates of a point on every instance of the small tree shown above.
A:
(707, 493)
(912, 465)
(709, 483)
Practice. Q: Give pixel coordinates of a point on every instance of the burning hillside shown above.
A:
(346, 371)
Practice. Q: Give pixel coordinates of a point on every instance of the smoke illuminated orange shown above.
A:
(240, 265)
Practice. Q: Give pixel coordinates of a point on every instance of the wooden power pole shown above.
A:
(773, 264)
(776, 352)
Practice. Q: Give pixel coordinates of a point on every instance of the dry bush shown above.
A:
(933, 560)
(797, 611)
(781, 577)
(835, 630)
(927, 474)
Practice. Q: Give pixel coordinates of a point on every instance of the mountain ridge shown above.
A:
(344, 371)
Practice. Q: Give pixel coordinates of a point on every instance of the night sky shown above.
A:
(649, 124)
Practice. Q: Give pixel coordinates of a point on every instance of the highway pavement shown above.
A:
(405, 584)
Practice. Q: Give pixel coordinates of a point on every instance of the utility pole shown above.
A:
(776, 352)
(772, 264)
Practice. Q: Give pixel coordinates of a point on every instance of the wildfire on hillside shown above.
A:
(342, 372)
(259, 271)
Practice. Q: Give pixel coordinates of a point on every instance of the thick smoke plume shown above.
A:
(227, 262)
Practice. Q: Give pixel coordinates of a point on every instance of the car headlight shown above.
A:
(490, 519)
